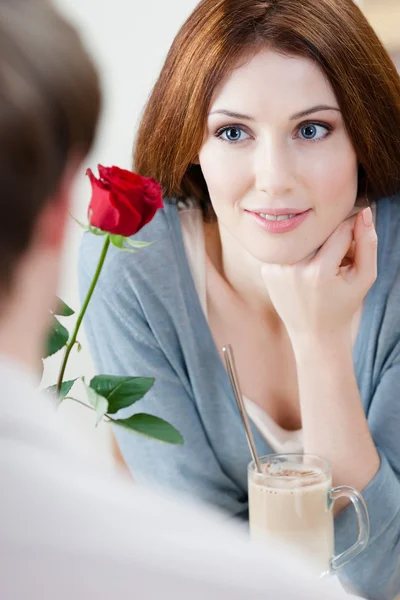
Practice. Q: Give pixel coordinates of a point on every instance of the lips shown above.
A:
(278, 220)
(276, 212)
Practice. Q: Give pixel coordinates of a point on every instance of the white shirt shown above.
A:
(70, 532)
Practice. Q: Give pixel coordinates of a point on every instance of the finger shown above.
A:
(350, 220)
(366, 245)
(336, 247)
(348, 259)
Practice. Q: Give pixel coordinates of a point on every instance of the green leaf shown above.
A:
(65, 388)
(63, 310)
(131, 250)
(88, 227)
(152, 427)
(85, 227)
(58, 337)
(96, 230)
(138, 244)
(117, 240)
(99, 403)
(121, 392)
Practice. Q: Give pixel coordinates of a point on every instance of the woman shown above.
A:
(274, 130)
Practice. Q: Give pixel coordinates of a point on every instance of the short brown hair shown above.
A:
(49, 106)
(333, 33)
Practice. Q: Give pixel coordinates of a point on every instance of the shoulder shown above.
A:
(126, 271)
(388, 219)
(388, 231)
(383, 301)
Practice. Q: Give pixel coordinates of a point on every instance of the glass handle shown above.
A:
(356, 498)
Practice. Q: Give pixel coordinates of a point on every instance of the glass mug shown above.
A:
(293, 498)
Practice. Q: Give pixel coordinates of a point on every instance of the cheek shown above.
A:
(226, 171)
(332, 175)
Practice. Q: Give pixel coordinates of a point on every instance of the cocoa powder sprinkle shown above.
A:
(289, 472)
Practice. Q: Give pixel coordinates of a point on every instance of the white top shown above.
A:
(71, 532)
(279, 439)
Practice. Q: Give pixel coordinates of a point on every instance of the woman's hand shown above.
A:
(319, 296)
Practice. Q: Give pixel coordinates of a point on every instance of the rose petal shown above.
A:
(122, 201)
(102, 212)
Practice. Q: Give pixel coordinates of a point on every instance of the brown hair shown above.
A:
(333, 33)
(49, 106)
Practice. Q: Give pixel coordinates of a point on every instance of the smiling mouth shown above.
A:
(279, 220)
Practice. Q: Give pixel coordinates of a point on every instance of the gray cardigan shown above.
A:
(145, 319)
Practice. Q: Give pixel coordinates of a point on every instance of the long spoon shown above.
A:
(230, 367)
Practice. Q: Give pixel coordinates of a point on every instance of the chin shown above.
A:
(285, 256)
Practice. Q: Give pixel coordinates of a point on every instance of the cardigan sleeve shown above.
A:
(375, 573)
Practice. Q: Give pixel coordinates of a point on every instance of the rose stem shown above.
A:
(72, 341)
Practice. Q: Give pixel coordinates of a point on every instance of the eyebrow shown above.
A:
(314, 109)
(298, 115)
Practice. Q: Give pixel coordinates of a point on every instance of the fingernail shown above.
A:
(367, 217)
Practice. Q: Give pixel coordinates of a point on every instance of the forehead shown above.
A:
(273, 82)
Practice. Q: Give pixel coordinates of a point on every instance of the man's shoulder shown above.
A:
(77, 531)
(110, 536)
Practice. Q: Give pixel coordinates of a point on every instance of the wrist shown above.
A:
(310, 347)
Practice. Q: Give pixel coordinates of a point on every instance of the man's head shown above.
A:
(49, 107)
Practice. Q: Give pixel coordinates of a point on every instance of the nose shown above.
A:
(274, 168)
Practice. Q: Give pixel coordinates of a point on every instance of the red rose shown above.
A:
(122, 202)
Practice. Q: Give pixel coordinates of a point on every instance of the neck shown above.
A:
(25, 313)
(240, 270)
(20, 340)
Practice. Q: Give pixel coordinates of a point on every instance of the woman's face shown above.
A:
(280, 168)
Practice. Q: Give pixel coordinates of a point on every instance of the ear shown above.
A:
(51, 224)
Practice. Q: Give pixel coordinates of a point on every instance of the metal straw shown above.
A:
(230, 367)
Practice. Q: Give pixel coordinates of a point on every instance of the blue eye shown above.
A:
(313, 131)
(232, 134)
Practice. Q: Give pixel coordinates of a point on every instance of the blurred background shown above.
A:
(129, 46)
(384, 15)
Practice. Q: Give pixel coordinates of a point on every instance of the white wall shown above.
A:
(128, 40)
